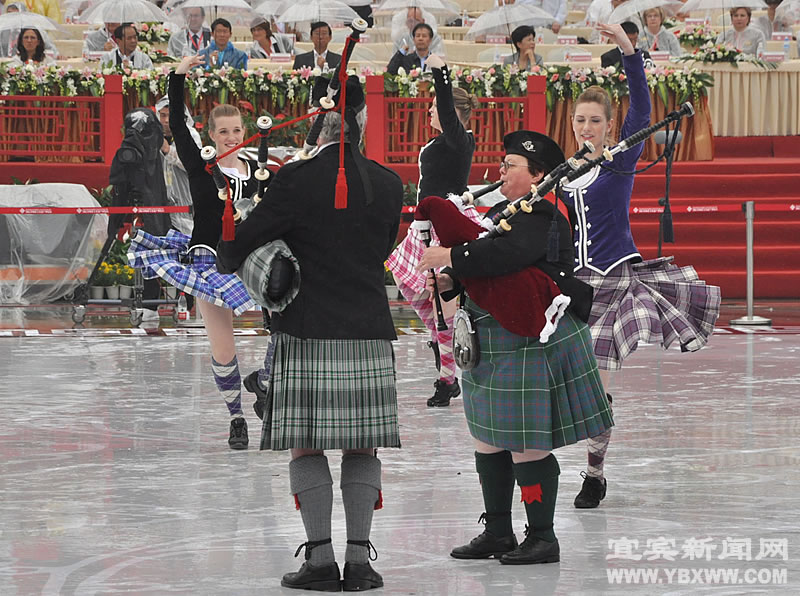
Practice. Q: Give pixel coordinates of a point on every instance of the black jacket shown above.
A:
(208, 208)
(445, 162)
(407, 61)
(307, 59)
(341, 252)
(523, 246)
(614, 57)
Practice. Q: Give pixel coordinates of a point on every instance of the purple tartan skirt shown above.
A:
(652, 301)
(191, 271)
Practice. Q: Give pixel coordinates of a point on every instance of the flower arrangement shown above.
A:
(38, 79)
(154, 32)
(105, 275)
(113, 273)
(696, 35)
(711, 53)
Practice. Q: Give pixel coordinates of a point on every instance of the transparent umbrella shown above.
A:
(788, 12)
(26, 20)
(271, 8)
(504, 19)
(698, 5)
(124, 11)
(317, 10)
(632, 7)
(433, 6)
(216, 6)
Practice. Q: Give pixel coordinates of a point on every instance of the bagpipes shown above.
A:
(271, 273)
(527, 302)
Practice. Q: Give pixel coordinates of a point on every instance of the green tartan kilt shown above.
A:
(528, 395)
(331, 394)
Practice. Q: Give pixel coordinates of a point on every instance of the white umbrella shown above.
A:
(125, 11)
(225, 4)
(434, 6)
(788, 12)
(698, 5)
(504, 19)
(317, 10)
(27, 20)
(632, 7)
(272, 8)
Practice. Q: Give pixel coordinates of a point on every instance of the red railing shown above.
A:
(398, 127)
(60, 128)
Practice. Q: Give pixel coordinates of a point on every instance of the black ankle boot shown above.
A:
(485, 546)
(533, 550)
(324, 578)
(444, 393)
(433, 345)
(251, 384)
(238, 435)
(592, 492)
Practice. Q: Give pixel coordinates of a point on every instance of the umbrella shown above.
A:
(698, 5)
(225, 4)
(125, 11)
(632, 7)
(317, 10)
(433, 6)
(788, 12)
(27, 20)
(272, 7)
(504, 19)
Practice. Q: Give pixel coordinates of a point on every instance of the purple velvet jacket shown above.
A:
(602, 198)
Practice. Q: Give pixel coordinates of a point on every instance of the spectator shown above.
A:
(100, 40)
(743, 37)
(423, 34)
(556, 8)
(127, 54)
(614, 57)
(403, 26)
(30, 47)
(221, 51)
(9, 37)
(524, 40)
(319, 57)
(599, 11)
(265, 42)
(767, 23)
(190, 39)
(655, 37)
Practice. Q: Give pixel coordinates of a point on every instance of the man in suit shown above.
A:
(339, 320)
(190, 39)
(423, 36)
(614, 57)
(319, 57)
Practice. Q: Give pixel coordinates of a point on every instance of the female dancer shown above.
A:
(444, 165)
(524, 398)
(652, 301)
(190, 263)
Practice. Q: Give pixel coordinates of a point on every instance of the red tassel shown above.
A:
(379, 502)
(228, 226)
(296, 503)
(341, 190)
(532, 493)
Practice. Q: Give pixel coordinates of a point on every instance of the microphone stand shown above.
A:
(665, 229)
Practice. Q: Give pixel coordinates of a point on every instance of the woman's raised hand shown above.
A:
(435, 61)
(188, 63)
(617, 35)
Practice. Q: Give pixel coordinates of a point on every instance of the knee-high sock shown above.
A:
(265, 374)
(312, 486)
(229, 383)
(596, 450)
(497, 484)
(361, 491)
(424, 308)
(538, 481)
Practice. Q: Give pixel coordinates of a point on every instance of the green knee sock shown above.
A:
(497, 483)
(539, 483)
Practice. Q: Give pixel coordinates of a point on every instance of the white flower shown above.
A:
(401, 72)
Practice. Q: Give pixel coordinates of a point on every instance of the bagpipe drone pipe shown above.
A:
(527, 302)
(271, 273)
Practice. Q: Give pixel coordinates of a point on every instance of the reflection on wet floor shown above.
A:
(116, 476)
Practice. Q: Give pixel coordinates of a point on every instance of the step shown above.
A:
(714, 185)
(730, 165)
(731, 257)
(689, 231)
(766, 283)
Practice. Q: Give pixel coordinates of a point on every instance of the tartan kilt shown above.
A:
(652, 301)
(331, 394)
(528, 395)
(192, 271)
(257, 268)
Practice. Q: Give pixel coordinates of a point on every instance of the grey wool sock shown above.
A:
(312, 486)
(361, 485)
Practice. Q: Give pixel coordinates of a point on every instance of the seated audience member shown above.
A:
(320, 56)
(768, 24)
(189, 40)
(30, 47)
(524, 40)
(221, 51)
(614, 57)
(403, 23)
(266, 43)
(655, 36)
(743, 37)
(423, 34)
(100, 40)
(127, 53)
(9, 37)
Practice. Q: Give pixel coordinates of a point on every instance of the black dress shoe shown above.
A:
(533, 550)
(592, 492)
(485, 546)
(360, 576)
(444, 393)
(325, 578)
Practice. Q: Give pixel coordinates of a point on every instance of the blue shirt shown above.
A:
(229, 56)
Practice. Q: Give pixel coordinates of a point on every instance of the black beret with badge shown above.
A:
(536, 147)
